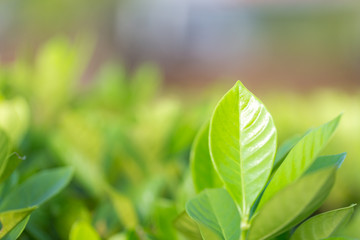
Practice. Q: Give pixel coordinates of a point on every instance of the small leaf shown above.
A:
(292, 205)
(323, 225)
(300, 158)
(10, 219)
(123, 208)
(188, 227)
(203, 171)
(242, 145)
(83, 230)
(215, 209)
(37, 189)
(327, 161)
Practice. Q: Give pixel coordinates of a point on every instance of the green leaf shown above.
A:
(242, 145)
(17, 230)
(10, 219)
(323, 225)
(203, 171)
(12, 163)
(283, 151)
(215, 209)
(292, 204)
(37, 189)
(188, 227)
(83, 230)
(207, 234)
(4, 151)
(123, 208)
(326, 161)
(300, 158)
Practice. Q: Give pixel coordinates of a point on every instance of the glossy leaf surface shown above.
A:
(215, 209)
(242, 145)
(203, 171)
(323, 225)
(292, 205)
(300, 158)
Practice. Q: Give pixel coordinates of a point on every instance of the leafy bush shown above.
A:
(266, 194)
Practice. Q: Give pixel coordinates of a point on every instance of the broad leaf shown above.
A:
(188, 227)
(300, 158)
(242, 145)
(83, 230)
(323, 225)
(203, 171)
(292, 204)
(10, 219)
(37, 189)
(326, 161)
(215, 209)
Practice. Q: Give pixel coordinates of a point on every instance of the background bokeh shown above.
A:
(118, 89)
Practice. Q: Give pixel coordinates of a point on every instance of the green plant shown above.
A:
(20, 199)
(247, 189)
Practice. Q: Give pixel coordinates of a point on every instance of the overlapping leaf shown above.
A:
(292, 204)
(323, 225)
(215, 209)
(300, 158)
(203, 172)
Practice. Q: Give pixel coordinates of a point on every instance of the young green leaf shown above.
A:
(203, 171)
(323, 225)
(83, 230)
(215, 209)
(242, 145)
(9, 219)
(37, 189)
(299, 158)
(292, 204)
(188, 227)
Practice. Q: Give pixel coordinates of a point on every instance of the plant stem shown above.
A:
(244, 228)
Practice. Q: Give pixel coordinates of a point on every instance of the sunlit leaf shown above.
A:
(299, 158)
(242, 145)
(83, 230)
(10, 219)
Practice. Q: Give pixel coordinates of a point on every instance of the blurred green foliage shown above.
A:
(129, 141)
